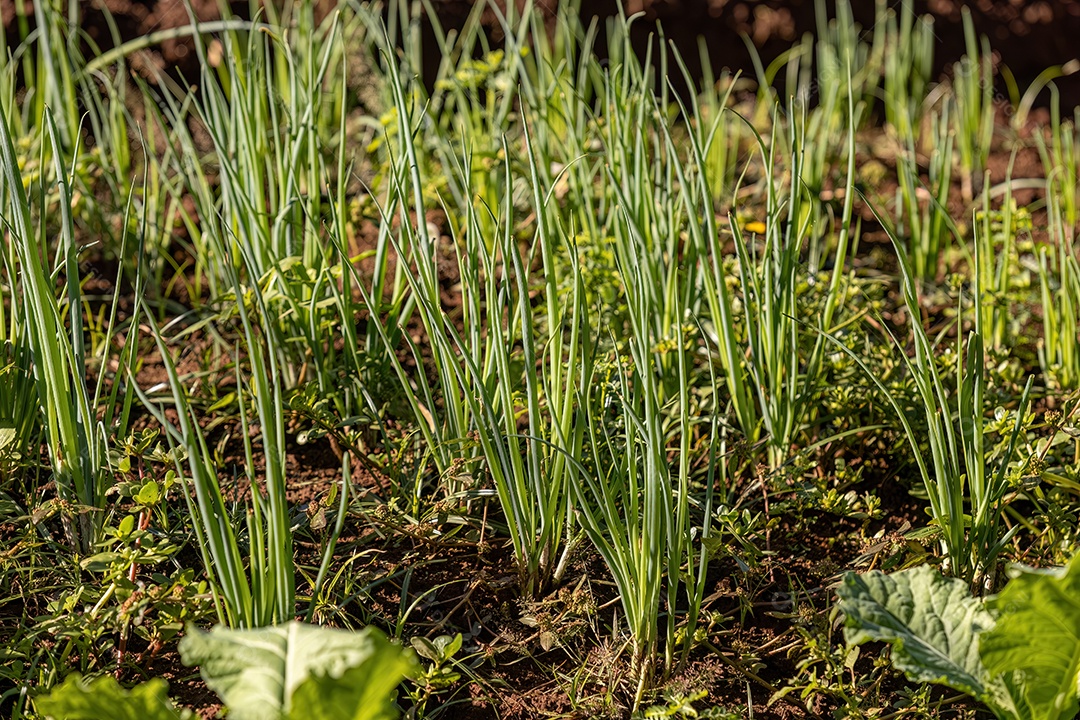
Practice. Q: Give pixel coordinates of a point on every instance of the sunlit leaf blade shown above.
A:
(297, 670)
(81, 699)
(931, 622)
(1037, 637)
(360, 693)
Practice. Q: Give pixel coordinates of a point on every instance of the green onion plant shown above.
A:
(1061, 161)
(922, 208)
(972, 106)
(255, 588)
(845, 61)
(966, 491)
(1059, 285)
(909, 62)
(54, 335)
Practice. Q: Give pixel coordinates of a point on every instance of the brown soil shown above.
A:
(1027, 35)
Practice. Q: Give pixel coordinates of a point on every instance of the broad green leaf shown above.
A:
(149, 494)
(80, 699)
(931, 622)
(264, 674)
(1037, 638)
(7, 437)
(360, 693)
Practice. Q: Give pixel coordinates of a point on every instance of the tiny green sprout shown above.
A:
(440, 674)
(872, 505)
(439, 650)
